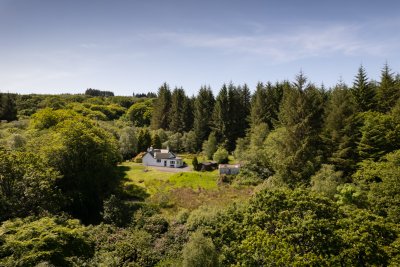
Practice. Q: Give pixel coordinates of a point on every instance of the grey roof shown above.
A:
(161, 154)
(229, 166)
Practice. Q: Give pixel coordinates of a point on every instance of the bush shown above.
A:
(199, 251)
(195, 164)
(28, 242)
(221, 156)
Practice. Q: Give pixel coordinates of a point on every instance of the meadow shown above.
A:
(182, 190)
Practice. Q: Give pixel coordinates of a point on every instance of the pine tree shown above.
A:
(203, 110)
(176, 113)
(339, 109)
(162, 105)
(221, 115)
(244, 110)
(363, 91)
(258, 112)
(301, 117)
(188, 113)
(388, 93)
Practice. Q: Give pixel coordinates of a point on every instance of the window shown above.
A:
(172, 162)
(159, 160)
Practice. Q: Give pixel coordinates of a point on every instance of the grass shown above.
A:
(194, 180)
(155, 180)
(183, 190)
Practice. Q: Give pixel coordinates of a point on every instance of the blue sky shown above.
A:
(55, 46)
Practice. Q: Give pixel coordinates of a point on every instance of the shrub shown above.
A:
(221, 156)
(199, 251)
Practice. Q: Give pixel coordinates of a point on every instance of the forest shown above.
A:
(320, 168)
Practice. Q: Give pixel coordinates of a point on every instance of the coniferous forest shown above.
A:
(319, 182)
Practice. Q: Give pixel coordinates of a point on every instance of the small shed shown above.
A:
(208, 166)
(229, 169)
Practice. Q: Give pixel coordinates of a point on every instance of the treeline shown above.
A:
(96, 92)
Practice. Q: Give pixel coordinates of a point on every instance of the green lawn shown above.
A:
(154, 180)
(184, 190)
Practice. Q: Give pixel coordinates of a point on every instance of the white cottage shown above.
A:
(161, 158)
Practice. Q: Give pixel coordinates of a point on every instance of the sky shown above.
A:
(134, 46)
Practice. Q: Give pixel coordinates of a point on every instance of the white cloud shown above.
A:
(284, 47)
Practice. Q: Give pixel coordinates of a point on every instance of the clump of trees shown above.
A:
(97, 92)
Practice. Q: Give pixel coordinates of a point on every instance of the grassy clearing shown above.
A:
(183, 190)
(155, 180)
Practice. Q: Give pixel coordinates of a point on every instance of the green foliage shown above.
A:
(379, 135)
(176, 113)
(140, 113)
(17, 142)
(247, 176)
(143, 140)
(122, 247)
(382, 181)
(221, 155)
(27, 185)
(220, 116)
(297, 146)
(115, 211)
(203, 110)
(265, 104)
(351, 195)
(195, 164)
(8, 107)
(96, 92)
(46, 118)
(86, 157)
(326, 180)
(365, 239)
(175, 142)
(128, 143)
(388, 91)
(339, 109)
(156, 141)
(162, 105)
(189, 142)
(51, 240)
(230, 114)
(112, 112)
(199, 251)
(363, 91)
(210, 146)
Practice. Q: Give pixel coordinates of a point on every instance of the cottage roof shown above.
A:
(229, 166)
(161, 153)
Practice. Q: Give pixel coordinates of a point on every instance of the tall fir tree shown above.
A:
(162, 105)
(221, 115)
(258, 112)
(245, 107)
(233, 128)
(363, 91)
(188, 113)
(301, 116)
(340, 111)
(388, 91)
(203, 112)
(176, 113)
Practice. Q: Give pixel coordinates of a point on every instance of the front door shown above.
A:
(165, 163)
